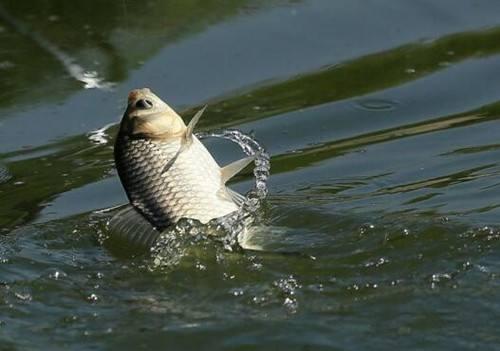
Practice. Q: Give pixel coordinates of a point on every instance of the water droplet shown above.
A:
(255, 266)
(467, 265)
(57, 275)
(227, 276)
(381, 261)
(291, 304)
(259, 300)
(438, 278)
(200, 266)
(236, 292)
(444, 219)
(100, 136)
(23, 296)
(92, 298)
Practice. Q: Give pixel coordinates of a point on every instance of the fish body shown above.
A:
(167, 173)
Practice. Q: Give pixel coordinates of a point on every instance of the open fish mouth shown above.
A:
(129, 233)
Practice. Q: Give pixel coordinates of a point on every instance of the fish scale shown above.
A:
(189, 187)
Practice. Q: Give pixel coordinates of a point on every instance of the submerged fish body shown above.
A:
(167, 173)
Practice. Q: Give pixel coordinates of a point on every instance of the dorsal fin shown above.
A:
(235, 167)
(188, 134)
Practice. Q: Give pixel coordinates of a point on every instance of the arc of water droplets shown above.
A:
(250, 147)
(235, 224)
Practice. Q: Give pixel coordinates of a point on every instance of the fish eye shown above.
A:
(144, 104)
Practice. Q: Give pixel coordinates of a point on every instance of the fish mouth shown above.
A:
(138, 94)
(149, 116)
(142, 100)
(144, 104)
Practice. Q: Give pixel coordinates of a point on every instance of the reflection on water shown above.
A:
(90, 79)
(364, 75)
(381, 227)
(105, 39)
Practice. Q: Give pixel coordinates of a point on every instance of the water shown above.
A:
(380, 229)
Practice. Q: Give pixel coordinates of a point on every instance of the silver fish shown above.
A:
(167, 173)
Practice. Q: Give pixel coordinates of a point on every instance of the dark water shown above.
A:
(382, 120)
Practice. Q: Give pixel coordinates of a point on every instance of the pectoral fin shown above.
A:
(234, 168)
(188, 136)
(236, 197)
(227, 194)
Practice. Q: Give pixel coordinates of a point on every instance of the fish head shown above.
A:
(148, 116)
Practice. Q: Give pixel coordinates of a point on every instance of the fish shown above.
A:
(167, 173)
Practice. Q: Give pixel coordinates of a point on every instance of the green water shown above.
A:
(382, 120)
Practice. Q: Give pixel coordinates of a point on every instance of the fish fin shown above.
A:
(130, 233)
(238, 199)
(187, 138)
(172, 160)
(229, 171)
(227, 194)
(188, 134)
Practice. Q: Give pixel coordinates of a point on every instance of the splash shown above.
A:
(100, 136)
(130, 231)
(255, 196)
(229, 230)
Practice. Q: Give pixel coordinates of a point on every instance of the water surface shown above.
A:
(381, 228)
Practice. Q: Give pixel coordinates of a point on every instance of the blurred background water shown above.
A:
(382, 120)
